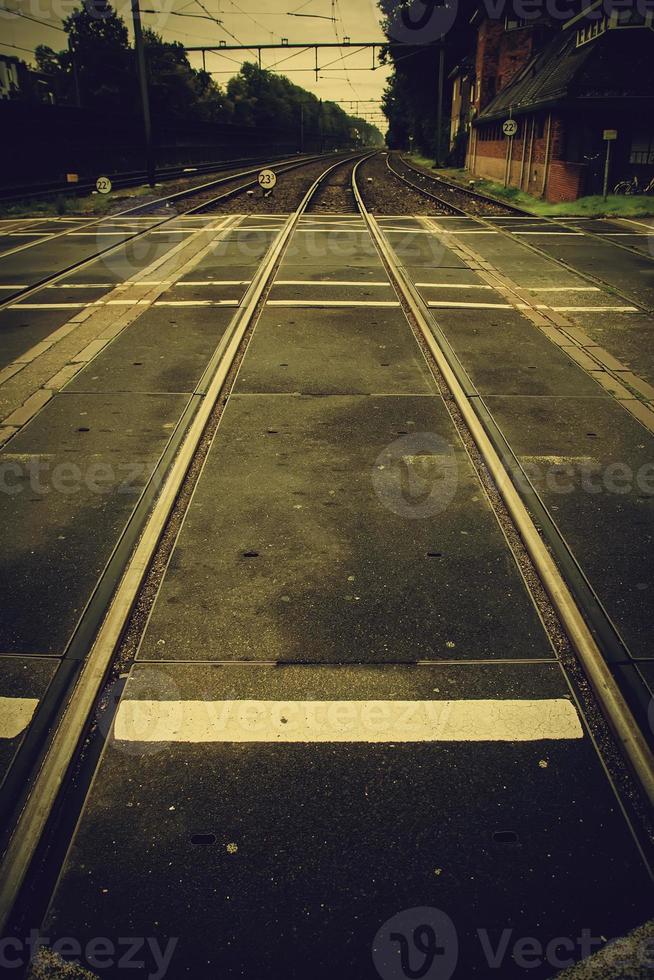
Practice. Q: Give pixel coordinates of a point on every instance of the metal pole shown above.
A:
(143, 86)
(301, 127)
(322, 127)
(439, 107)
(73, 62)
(607, 169)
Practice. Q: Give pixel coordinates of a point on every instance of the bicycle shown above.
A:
(633, 187)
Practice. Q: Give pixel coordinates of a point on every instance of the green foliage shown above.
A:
(261, 98)
(410, 100)
(98, 70)
(616, 206)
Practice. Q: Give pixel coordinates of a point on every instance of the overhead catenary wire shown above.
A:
(36, 20)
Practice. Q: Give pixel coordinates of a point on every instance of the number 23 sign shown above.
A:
(267, 179)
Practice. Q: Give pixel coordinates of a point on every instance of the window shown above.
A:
(491, 133)
(618, 20)
(590, 31)
(642, 149)
(515, 23)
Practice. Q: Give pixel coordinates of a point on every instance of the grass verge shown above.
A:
(616, 206)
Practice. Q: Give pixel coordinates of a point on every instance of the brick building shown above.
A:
(563, 84)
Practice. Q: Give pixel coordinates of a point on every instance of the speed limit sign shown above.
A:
(510, 127)
(103, 185)
(267, 179)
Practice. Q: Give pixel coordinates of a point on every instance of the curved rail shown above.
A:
(145, 530)
(572, 617)
(163, 203)
(473, 195)
(132, 178)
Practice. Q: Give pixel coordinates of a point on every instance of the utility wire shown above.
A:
(17, 47)
(44, 23)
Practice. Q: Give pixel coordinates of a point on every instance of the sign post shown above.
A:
(509, 128)
(267, 181)
(610, 136)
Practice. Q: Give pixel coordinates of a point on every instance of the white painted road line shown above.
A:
(47, 306)
(557, 234)
(15, 715)
(450, 285)
(214, 282)
(347, 721)
(439, 304)
(331, 303)
(200, 302)
(594, 309)
(326, 282)
(561, 289)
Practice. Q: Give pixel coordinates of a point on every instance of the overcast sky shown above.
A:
(248, 21)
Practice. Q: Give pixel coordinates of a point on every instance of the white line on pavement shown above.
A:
(329, 282)
(451, 285)
(450, 304)
(15, 715)
(347, 721)
(331, 302)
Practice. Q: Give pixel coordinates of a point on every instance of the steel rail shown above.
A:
(474, 195)
(73, 723)
(131, 178)
(615, 708)
(562, 220)
(138, 209)
(135, 212)
(425, 193)
(510, 234)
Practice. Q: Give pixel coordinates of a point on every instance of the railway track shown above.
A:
(63, 756)
(131, 179)
(461, 201)
(165, 210)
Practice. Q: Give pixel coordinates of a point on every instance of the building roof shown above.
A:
(464, 67)
(563, 71)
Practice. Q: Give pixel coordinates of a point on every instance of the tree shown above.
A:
(410, 99)
(177, 89)
(100, 56)
(263, 99)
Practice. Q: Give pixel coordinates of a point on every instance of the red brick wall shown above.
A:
(489, 39)
(565, 181)
(516, 49)
(501, 54)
